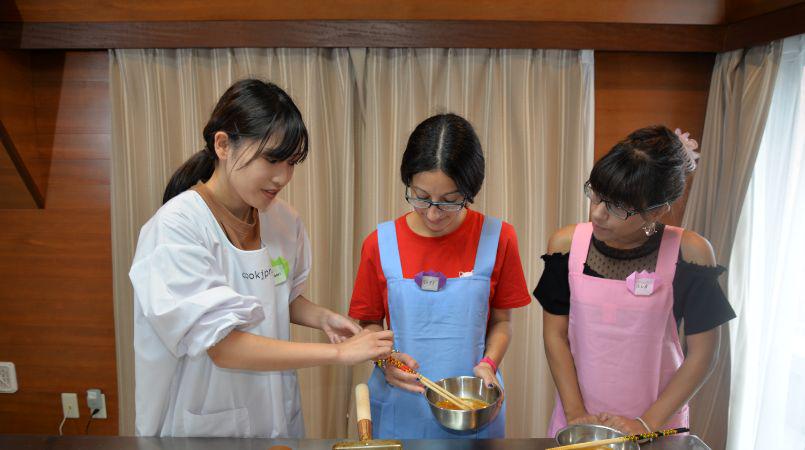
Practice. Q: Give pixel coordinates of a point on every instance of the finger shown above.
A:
(399, 379)
(412, 387)
(489, 380)
(384, 335)
(352, 326)
(403, 376)
(408, 361)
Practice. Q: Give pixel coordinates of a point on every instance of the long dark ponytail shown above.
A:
(250, 109)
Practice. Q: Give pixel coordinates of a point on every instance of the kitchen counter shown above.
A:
(14, 442)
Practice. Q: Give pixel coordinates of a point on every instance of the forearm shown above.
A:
(563, 368)
(304, 312)
(699, 363)
(247, 351)
(498, 337)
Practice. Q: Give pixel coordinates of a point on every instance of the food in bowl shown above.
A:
(473, 402)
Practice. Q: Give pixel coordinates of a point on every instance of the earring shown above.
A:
(650, 228)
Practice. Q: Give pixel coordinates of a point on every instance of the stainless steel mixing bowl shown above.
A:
(465, 387)
(575, 434)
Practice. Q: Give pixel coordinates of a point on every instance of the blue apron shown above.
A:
(444, 331)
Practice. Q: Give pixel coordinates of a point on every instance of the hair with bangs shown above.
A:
(646, 169)
(252, 110)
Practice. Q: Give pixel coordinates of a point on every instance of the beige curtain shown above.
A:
(533, 110)
(737, 108)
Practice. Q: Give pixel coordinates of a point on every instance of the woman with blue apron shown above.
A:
(444, 277)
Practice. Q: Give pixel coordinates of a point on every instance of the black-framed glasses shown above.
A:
(619, 211)
(425, 203)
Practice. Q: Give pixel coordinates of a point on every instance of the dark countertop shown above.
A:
(14, 442)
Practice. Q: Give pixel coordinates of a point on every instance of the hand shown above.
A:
(338, 328)
(486, 373)
(622, 424)
(584, 418)
(364, 346)
(404, 380)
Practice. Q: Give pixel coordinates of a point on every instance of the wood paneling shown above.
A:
(737, 10)
(757, 30)
(634, 90)
(18, 135)
(16, 183)
(700, 12)
(362, 33)
(614, 25)
(16, 190)
(57, 323)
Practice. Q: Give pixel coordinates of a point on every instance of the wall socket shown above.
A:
(8, 378)
(96, 400)
(69, 405)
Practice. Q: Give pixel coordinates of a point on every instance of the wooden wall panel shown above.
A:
(633, 90)
(365, 33)
(737, 10)
(57, 324)
(702, 12)
(15, 192)
(28, 168)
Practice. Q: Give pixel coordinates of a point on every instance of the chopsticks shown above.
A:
(430, 384)
(631, 437)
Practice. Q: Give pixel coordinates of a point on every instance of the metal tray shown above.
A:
(688, 442)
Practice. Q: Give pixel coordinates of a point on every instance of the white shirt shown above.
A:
(191, 288)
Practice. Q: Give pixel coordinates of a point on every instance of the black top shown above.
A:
(698, 299)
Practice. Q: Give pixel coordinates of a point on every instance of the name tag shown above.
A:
(280, 269)
(642, 283)
(644, 286)
(430, 283)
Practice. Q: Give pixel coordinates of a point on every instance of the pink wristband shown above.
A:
(489, 361)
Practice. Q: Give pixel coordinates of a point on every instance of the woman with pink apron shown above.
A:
(615, 290)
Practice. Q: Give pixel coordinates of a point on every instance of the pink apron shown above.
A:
(625, 346)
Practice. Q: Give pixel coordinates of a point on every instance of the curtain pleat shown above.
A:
(741, 89)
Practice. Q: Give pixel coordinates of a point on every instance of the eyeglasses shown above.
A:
(424, 203)
(615, 209)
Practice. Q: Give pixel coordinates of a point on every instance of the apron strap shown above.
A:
(669, 251)
(579, 247)
(487, 247)
(389, 251)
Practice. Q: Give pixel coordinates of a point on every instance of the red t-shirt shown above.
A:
(449, 254)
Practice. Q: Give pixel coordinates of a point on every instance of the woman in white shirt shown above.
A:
(219, 276)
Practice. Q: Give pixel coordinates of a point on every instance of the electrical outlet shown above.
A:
(8, 378)
(69, 405)
(96, 400)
